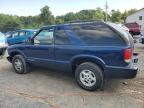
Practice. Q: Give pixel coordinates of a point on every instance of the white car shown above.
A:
(3, 43)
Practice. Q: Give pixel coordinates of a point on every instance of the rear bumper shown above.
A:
(127, 72)
(120, 73)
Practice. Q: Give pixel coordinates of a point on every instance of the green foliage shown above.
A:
(59, 20)
(46, 16)
(116, 16)
(9, 22)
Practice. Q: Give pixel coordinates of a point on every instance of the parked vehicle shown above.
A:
(134, 28)
(19, 36)
(93, 50)
(3, 43)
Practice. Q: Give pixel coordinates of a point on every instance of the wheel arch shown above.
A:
(87, 58)
(15, 52)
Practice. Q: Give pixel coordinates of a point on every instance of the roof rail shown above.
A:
(80, 21)
(75, 21)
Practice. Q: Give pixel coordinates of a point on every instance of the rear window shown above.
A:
(97, 34)
(131, 25)
(126, 35)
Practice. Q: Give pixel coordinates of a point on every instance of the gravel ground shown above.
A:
(45, 89)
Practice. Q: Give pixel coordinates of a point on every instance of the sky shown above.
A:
(61, 7)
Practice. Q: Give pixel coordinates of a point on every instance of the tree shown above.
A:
(99, 14)
(124, 15)
(59, 19)
(46, 16)
(70, 17)
(131, 11)
(116, 16)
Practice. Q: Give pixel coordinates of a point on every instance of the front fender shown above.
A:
(16, 51)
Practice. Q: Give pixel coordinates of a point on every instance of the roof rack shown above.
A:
(81, 21)
(75, 22)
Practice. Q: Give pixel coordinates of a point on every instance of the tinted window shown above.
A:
(97, 34)
(125, 34)
(44, 37)
(61, 37)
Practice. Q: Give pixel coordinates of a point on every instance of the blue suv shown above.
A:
(19, 36)
(93, 50)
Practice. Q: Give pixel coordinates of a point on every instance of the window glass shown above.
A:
(97, 34)
(15, 34)
(8, 34)
(140, 17)
(22, 33)
(61, 37)
(44, 37)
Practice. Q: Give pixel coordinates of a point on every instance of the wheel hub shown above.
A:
(88, 78)
(18, 65)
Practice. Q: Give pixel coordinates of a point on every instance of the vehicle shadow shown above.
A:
(111, 85)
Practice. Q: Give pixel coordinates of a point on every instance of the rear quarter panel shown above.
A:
(109, 56)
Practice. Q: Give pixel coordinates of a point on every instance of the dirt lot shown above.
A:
(44, 89)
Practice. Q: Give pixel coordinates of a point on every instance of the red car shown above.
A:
(134, 28)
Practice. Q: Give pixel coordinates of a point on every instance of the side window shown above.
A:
(61, 38)
(15, 34)
(97, 34)
(8, 35)
(140, 17)
(45, 37)
(22, 33)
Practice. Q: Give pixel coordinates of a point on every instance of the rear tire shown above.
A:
(89, 76)
(20, 65)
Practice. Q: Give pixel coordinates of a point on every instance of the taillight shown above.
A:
(128, 55)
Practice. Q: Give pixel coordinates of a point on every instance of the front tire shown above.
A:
(20, 65)
(89, 76)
